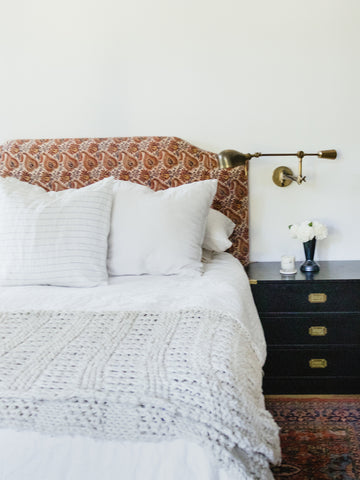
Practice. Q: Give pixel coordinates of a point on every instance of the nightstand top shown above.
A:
(329, 270)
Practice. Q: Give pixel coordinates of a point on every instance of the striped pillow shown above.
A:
(54, 238)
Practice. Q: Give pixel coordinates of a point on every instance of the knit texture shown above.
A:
(139, 376)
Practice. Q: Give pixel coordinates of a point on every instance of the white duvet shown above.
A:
(28, 456)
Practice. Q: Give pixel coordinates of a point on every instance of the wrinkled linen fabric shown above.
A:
(224, 287)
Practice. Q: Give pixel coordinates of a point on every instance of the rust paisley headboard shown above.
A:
(159, 162)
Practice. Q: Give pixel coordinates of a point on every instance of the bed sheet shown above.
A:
(223, 287)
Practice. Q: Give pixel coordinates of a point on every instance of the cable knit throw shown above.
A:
(138, 376)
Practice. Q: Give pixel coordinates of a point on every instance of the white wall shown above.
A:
(270, 76)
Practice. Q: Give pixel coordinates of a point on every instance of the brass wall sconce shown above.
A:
(282, 176)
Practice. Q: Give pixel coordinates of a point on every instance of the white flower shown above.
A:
(305, 232)
(293, 231)
(308, 230)
(320, 230)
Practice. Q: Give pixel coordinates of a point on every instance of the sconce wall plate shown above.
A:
(281, 176)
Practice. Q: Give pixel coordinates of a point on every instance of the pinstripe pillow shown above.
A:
(54, 238)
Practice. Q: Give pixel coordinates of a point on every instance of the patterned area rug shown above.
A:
(320, 436)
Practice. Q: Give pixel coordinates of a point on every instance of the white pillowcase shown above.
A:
(218, 230)
(159, 232)
(54, 238)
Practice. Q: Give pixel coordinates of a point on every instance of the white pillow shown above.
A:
(160, 232)
(218, 230)
(54, 238)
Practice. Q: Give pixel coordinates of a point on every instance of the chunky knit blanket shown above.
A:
(139, 376)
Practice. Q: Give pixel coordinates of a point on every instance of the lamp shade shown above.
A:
(232, 158)
(330, 154)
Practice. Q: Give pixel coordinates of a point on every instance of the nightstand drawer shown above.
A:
(306, 297)
(305, 385)
(343, 362)
(334, 329)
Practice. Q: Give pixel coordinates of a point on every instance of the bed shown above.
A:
(131, 347)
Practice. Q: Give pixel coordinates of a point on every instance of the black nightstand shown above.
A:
(311, 325)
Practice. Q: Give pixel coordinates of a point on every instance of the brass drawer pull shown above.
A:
(317, 297)
(317, 363)
(318, 331)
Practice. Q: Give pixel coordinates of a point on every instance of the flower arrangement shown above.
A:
(308, 230)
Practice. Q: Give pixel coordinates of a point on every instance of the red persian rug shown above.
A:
(320, 436)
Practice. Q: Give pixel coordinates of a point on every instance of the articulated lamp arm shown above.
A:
(282, 176)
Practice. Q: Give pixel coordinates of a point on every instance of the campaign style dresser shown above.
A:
(312, 327)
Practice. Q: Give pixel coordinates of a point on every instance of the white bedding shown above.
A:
(25, 455)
